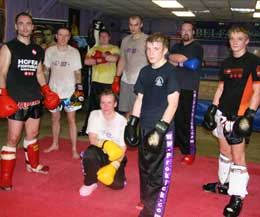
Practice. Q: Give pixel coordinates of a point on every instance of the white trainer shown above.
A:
(86, 190)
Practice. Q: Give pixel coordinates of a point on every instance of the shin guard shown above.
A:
(8, 159)
(31, 150)
(238, 181)
(224, 164)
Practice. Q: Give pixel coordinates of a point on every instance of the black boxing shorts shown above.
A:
(33, 109)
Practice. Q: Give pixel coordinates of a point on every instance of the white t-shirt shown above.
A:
(107, 130)
(62, 65)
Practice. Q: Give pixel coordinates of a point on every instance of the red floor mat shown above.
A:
(56, 194)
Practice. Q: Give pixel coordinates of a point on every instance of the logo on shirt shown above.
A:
(234, 72)
(131, 50)
(159, 81)
(34, 52)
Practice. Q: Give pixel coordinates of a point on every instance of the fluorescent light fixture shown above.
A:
(256, 15)
(168, 4)
(257, 6)
(243, 10)
(183, 13)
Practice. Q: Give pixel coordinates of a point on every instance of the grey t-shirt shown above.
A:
(133, 51)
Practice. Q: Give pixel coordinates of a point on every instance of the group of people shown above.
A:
(158, 93)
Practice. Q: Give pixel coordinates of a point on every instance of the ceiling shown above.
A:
(219, 9)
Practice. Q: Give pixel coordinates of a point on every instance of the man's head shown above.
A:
(48, 35)
(23, 24)
(108, 101)
(156, 47)
(238, 39)
(63, 36)
(104, 37)
(187, 31)
(135, 24)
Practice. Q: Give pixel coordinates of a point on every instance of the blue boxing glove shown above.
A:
(192, 64)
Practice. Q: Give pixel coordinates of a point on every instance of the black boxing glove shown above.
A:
(130, 134)
(209, 118)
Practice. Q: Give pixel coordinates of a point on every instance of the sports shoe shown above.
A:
(39, 169)
(82, 132)
(234, 207)
(86, 190)
(216, 187)
(140, 206)
(187, 159)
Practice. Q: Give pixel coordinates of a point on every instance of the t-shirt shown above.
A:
(133, 51)
(155, 85)
(21, 82)
(104, 73)
(107, 130)
(188, 79)
(238, 75)
(63, 64)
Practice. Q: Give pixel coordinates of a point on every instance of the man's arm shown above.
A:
(78, 76)
(5, 60)
(255, 99)
(137, 105)
(173, 100)
(218, 93)
(40, 75)
(120, 66)
(175, 59)
(112, 58)
(89, 61)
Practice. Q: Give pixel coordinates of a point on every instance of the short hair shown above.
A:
(104, 31)
(158, 37)
(23, 14)
(238, 28)
(133, 17)
(63, 27)
(108, 92)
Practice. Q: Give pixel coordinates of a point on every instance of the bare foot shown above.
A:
(75, 155)
(51, 148)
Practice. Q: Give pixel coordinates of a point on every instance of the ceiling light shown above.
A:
(256, 14)
(168, 4)
(243, 10)
(183, 13)
(257, 5)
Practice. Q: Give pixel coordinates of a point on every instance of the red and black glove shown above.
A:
(7, 105)
(99, 57)
(116, 85)
(77, 97)
(51, 99)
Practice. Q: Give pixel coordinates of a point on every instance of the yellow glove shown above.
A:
(106, 174)
(113, 150)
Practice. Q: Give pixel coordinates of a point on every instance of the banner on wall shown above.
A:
(45, 30)
(74, 21)
(2, 21)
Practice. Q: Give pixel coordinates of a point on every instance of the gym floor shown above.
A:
(206, 143)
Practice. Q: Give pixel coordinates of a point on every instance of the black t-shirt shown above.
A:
(238, 75)
(155, 85)
(188, 79)
(21, 82)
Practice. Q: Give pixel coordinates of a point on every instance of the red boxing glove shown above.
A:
(116, 85)
(99, 57)
(51, 100)
(7, 105)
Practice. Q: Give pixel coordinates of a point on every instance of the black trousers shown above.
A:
(93, 158)
(185, 127)
(155, 172)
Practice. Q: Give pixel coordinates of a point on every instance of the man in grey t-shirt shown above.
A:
(132, 59)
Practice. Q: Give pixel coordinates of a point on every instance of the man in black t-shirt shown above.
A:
(231, 118)
(22, 83)
(187, 57)
(157, 99)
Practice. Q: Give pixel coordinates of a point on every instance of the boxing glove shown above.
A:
(51, 99)
(130, 133)
(113, 150)
(209, 118)
(243, 126)
(106, 174)
(153, 139)
(116, 85)
(99, 57)
(78, 96)
(192, 64)
(7, 105)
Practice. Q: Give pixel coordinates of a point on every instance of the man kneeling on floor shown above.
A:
(104, 160)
